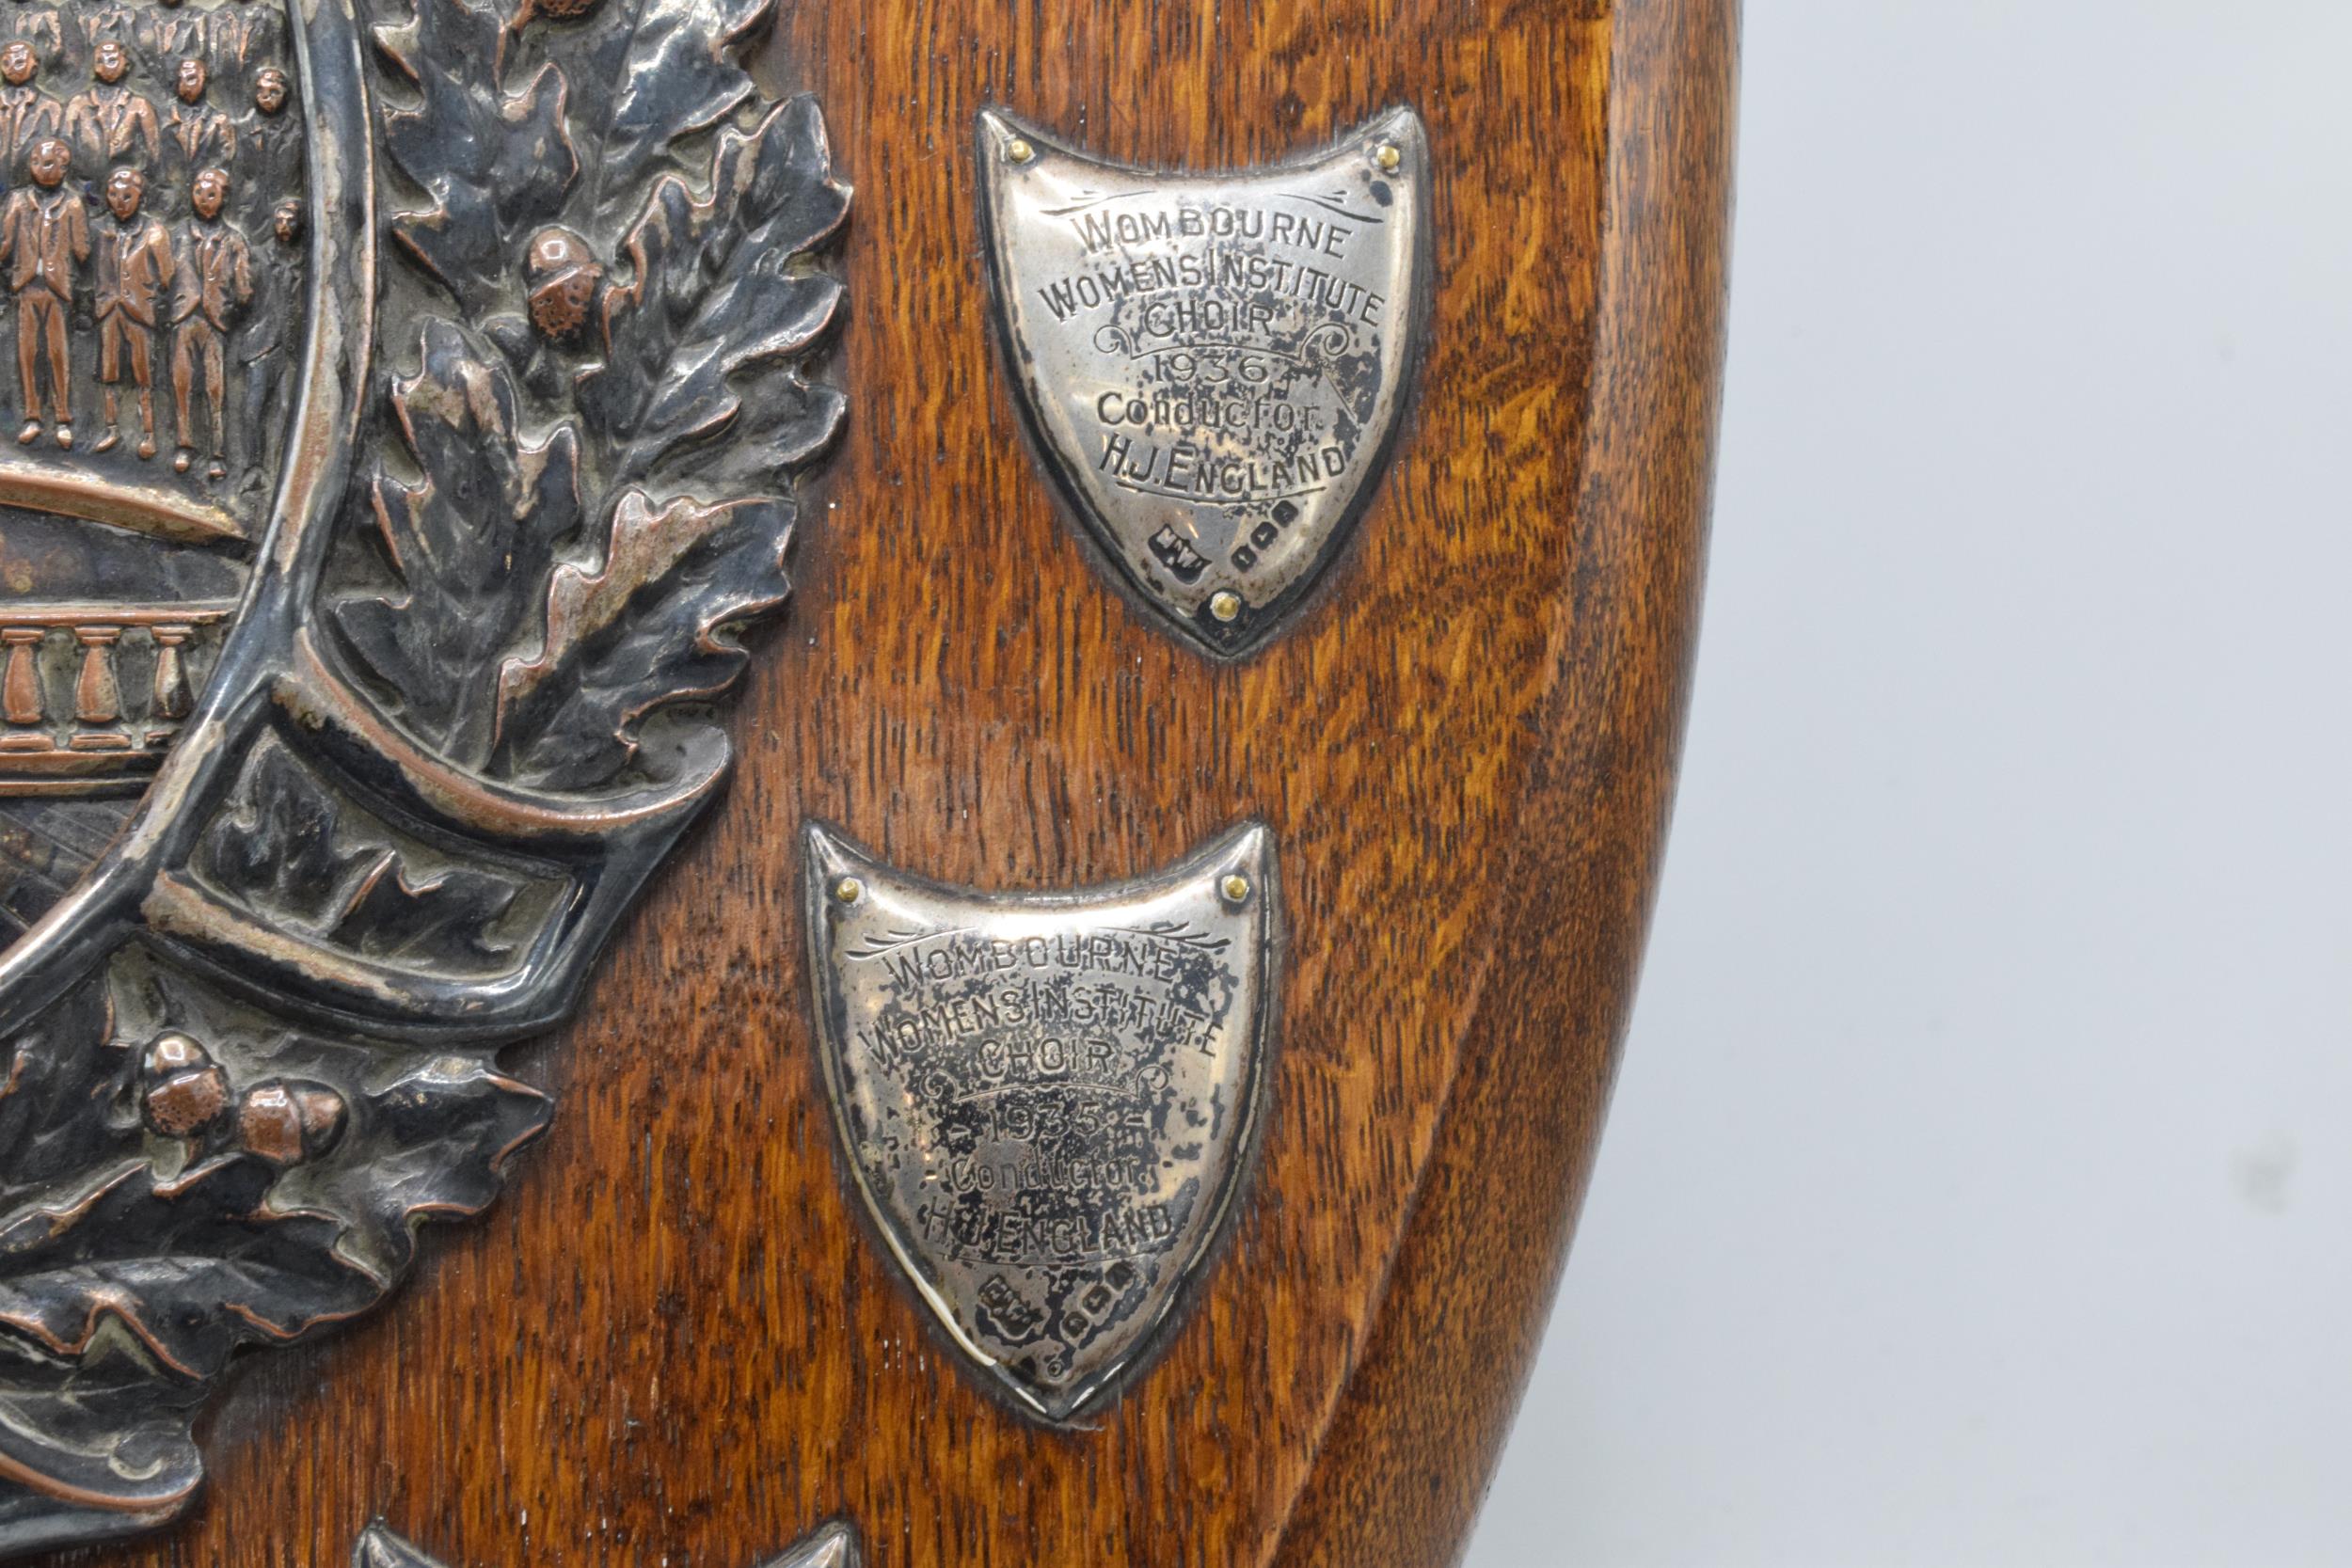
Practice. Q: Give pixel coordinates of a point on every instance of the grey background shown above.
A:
(1979, 1188)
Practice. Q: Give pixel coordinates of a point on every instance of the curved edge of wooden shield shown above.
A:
(1413, 1443)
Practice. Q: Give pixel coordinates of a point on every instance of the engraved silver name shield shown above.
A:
(1214, 366)
(1047, 1101)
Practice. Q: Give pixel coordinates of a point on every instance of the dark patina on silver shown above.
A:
(834, 1546)
(371, 554)
(1048, 1101)
(1214, 366)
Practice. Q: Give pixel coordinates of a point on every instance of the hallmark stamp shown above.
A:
(1047, 1101)
(1214, 366)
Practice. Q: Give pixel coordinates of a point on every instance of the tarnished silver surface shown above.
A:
(834, 1546)
(414, 395)
(1214, 366)
(1048, 1101)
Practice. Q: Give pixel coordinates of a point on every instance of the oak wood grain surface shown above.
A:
(675, 1341)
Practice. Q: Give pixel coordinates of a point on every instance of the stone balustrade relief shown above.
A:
(91, 696)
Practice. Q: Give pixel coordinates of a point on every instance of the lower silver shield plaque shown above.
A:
(1213, 365)
(1048, 1101)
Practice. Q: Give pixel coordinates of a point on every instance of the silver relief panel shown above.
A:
(1047, 1101)
(1213, 366)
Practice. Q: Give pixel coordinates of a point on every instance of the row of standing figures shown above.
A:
(228, 35)
(197, 284)
(110, 122)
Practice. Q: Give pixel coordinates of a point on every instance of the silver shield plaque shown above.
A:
(1214, 367)
(1048, 1101)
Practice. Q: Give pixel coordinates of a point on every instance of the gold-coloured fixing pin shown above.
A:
(849, 889)
(1225, 605)
(1235, 887)
(1390, 156)
(1019, 151)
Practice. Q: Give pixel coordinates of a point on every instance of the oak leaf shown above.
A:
(198, 1252)
(497, 164)
(670, 68)
(702, 345)
(645, 626)
(471, 544)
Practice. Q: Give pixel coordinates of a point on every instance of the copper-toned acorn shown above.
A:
(172, 1054)
(185, 1093)
(564, 276)
(289, 1123)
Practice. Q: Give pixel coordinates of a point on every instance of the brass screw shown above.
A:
(1390, 157)
(1235, 887)
(849, 889)
(1019, 151)
(1225, 605)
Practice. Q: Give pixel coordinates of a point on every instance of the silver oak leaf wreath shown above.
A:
(563, 305)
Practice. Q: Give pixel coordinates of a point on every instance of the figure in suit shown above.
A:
(247, 32)
(39, 27)
(97, 23)
(134, 269)
(265, 343)
(44, 239)
(214, 285)
(108, 122)
(264, 29)
(171, 32)
(273, 141)
(200, 136)
(27, 114)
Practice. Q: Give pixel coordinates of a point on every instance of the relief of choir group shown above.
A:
(80, 211)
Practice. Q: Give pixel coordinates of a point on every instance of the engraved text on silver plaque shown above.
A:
(1047, 1101)
(1214, 366)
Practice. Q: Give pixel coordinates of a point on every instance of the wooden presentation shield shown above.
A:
(694, 875)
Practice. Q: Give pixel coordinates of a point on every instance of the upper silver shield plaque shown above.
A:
(1214, 365)
(1047, 1101)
